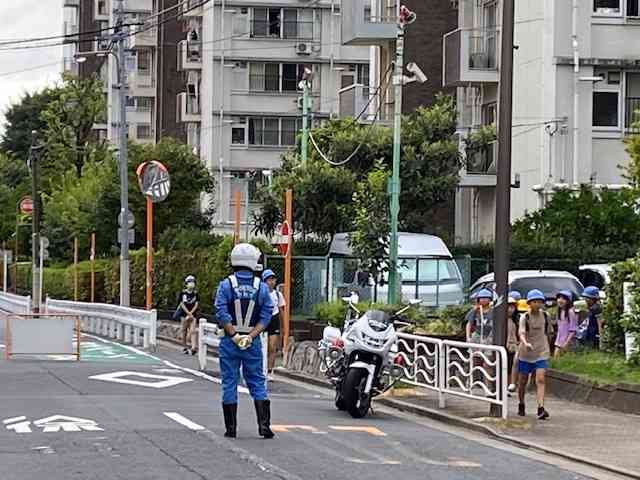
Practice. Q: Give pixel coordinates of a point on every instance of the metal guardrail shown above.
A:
(121, 323)
(208, 336)
(16, 304)
(470, 370)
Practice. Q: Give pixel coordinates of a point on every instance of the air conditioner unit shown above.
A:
(303, 49)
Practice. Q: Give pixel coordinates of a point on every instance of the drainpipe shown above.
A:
(576, 87)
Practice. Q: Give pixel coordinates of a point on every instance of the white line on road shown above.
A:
(14, 419)
(176, 417)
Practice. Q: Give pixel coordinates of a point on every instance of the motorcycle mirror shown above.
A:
(355, 298)
(415, 301)
(346, 299)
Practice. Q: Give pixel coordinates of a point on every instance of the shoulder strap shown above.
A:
(237, 305)
(546, 321)
(252, 303)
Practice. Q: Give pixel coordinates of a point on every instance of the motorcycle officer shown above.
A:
(243, 308)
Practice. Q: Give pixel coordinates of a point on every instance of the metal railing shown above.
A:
(11, 303)
(209, 336)
(470, 370)
(129, 325)
(483, 162)
(483, 49)
(291, 29)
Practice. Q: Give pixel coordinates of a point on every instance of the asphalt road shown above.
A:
(134, 431)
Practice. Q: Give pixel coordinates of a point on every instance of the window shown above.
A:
(632, 99)
(274, 132)
(274, 77)
(143, 131)
(144, 62)
(102, 7)
(282, 23)
(130, 102)
(489, 111)
(606, 7)
(613, 78)
(633, 8)
(605, 109)
(145, 103)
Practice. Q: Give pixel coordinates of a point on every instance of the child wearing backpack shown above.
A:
(567, 322)
(534, 352)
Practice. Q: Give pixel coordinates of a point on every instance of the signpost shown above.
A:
(287, 271)
(155, 184)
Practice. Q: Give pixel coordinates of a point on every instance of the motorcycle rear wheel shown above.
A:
(353, 397)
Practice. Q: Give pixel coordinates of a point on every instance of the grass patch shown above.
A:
(600, 367)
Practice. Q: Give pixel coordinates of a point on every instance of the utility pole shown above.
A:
(34, 165)
(503, 185)
(406, 17)
(119, 38)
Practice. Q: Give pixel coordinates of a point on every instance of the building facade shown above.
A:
(569, 118)
(242, 102)
(153, 81)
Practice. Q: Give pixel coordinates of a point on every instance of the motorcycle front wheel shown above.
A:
(353, 397)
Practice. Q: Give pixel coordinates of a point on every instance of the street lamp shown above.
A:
(122, 160)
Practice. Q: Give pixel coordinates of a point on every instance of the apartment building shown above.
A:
(151, 63)
(568, 123)
(243, 61)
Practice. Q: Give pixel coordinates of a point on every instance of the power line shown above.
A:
(16, 72)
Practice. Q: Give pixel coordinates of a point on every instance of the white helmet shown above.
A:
(246, 255)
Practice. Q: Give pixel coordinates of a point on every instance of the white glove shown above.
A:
(237, 338)
(244, 342)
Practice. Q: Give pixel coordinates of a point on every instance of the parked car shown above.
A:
(597, 274)
(549, 281)
(427, 268)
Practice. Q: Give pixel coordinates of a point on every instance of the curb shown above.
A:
(470, 425)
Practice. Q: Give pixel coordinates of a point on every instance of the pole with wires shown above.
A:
(305, 84)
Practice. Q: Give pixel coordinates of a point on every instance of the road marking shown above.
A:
(14, 419)
(374, 462)
(286, 428)
(370, 430)
(169, 364)
(420, 458)
(176, 417)
(163, 381)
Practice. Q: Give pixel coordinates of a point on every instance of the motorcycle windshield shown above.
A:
(378, 320)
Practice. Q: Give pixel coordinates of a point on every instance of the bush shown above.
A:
(188, 239)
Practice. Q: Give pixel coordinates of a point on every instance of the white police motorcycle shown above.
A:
(362, 362)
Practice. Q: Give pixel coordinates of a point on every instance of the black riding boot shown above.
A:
(263, 412)
(230, 411)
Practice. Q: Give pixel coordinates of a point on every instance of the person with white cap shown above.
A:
(186, 312)
(243, 309)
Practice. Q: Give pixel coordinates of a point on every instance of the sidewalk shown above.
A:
(589, 434)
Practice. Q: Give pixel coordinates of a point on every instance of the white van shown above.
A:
(426, 267)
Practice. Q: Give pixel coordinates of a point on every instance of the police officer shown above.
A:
(243, 308)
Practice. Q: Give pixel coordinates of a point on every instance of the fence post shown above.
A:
(202, 345)
(153, 330)
(442, 371)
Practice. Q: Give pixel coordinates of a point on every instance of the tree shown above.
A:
(370, 240)
(191, 182)
(69, 118)
(578, 219)
(324, 193)
(24, 117)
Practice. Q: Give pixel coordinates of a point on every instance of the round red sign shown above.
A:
(26, 205)
(283, 246)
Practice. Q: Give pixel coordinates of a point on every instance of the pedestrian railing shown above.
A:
(470, 370)
(16, 304)
(129, 325)
(209, 336)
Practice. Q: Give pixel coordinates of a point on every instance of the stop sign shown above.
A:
(285, 238)
(26, 205)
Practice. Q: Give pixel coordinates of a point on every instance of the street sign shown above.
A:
(283, 240)
(131, 234)
(26, 205)
(154, 181)
(131, 220)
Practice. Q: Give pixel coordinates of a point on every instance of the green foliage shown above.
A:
(613, 334)
(80, 206)
(309, 247)
(331, 313)
(574, 220)
(14, 184)
(599, 367)
(480, 139)
(323, 194)
(370, 240)
(22, 118)
(69, 118)
(189, 180)
(188, 239)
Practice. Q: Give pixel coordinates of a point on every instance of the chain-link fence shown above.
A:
(309, 276)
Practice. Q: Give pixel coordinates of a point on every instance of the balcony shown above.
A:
(142, 37)
(470, 56)
(71, 3)
(188, 108)
(189, 55)
(361, 26)
(480, 168)
(632, 114)
(353, 100)
(192, 8)
(142, 84)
